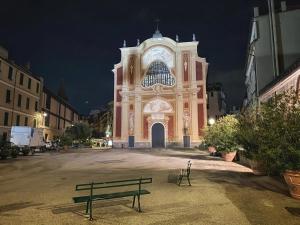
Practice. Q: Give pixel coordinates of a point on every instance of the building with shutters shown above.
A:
(159, 94)
(25, 101)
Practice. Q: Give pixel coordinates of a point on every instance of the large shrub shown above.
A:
(223, 134)
(247, 135)
(278, 124)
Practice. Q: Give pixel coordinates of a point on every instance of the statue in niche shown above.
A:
(185, 64)
(186, 123)
(131, 123)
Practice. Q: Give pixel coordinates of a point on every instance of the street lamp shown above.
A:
(211, 121)
(45, 114)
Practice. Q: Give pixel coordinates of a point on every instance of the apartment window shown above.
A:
(26, 121)
(34, 123)
(27, 103)
(48, 101)
(6, 118)
(36, 106)
(10, 73)
(18, 120)
(37, 87)
(21, 78)
(29, 83)
(7, 96)
(47, 120)
(19, 100)
(212, 94)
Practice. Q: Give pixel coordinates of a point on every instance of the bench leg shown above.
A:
(179, 180)
(188, 178)
(87, 207)
(133, 202)
(139, 204)
(91, 210)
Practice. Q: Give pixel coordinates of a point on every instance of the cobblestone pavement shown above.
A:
(39, 189)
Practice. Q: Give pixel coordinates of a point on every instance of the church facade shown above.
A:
(159, 94)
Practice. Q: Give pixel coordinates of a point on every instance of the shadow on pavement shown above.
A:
(17, 206)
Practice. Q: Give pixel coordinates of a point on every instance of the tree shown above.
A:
(78, 131)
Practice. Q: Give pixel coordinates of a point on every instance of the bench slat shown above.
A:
(120, 183)
(80, 199)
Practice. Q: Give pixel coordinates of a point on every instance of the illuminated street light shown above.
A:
(45, 114)
(211, 121)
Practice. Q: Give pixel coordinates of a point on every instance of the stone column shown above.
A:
(137, 118)
(179, 99)
(194, 116)
(193, 70)
(125, 109)
(179, 109)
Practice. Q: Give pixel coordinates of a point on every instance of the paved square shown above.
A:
(39, 189)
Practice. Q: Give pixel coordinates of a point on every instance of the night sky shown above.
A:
(79, 41)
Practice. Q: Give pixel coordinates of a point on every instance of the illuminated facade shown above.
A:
(159, 94)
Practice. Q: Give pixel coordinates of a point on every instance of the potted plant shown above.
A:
(288, 107)
(226, 129)
(279, 139)
(210, 134)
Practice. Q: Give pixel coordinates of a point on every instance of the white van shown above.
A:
(22, 137)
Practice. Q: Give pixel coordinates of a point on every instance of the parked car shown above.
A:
(51, 145)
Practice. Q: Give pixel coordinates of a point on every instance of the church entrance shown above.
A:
(158, 136)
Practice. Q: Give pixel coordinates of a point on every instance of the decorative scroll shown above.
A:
(158, 106)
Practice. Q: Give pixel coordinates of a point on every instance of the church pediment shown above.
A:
(158, 106)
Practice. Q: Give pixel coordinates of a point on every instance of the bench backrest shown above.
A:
(113, 184)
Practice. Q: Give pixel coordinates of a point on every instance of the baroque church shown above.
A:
(159, 94)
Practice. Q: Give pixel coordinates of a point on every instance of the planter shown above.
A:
(292, 178)
(228, 156)
(211, 149)
(258, 168)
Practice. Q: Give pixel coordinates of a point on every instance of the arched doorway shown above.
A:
(158, 136)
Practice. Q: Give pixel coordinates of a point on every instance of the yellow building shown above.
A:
(57, 114)
(24, 101)
(20, 93)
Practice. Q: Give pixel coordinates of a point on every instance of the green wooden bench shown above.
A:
(185, 173)
(91, 187)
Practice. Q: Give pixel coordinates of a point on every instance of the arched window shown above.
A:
(158, 73)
